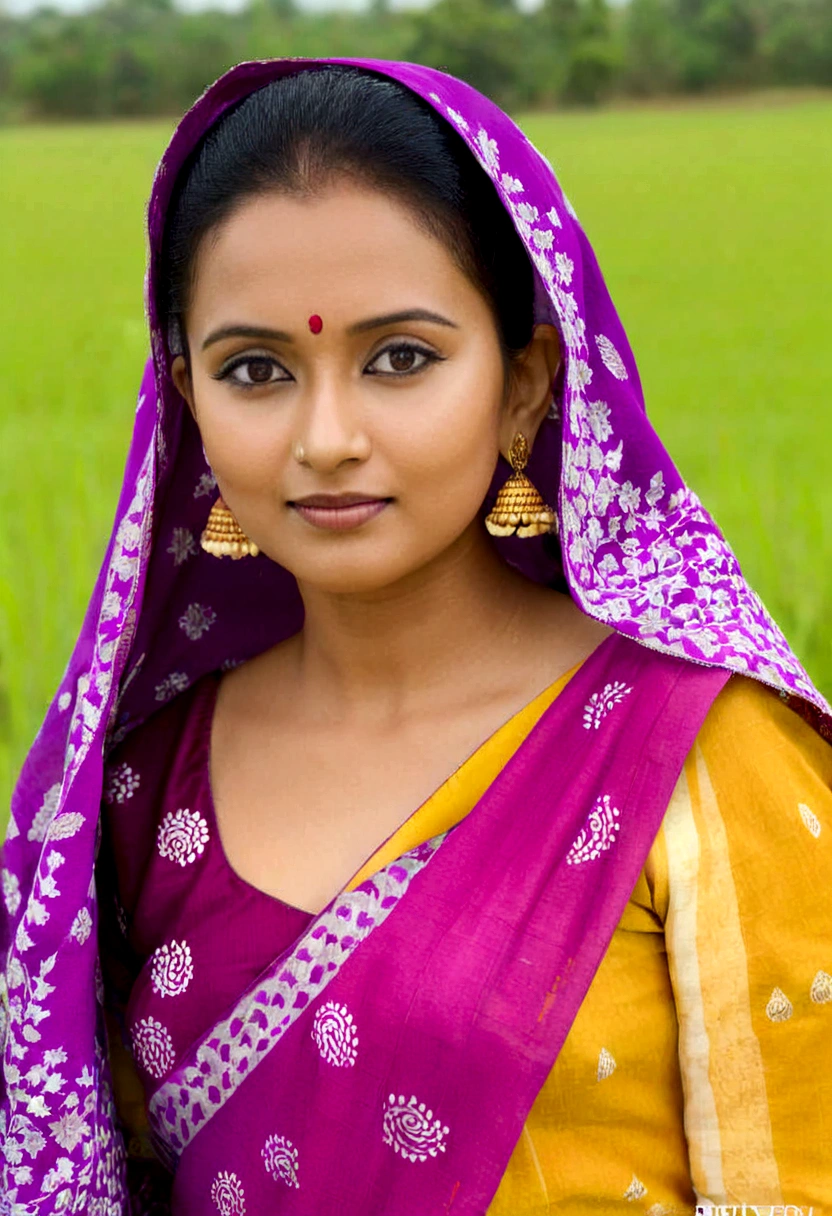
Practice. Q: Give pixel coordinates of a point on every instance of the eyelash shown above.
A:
(428, 355)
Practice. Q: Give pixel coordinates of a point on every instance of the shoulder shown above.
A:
(752, 810)
(752, 742)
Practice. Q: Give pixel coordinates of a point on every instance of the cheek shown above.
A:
(244, 441)
(451, 447)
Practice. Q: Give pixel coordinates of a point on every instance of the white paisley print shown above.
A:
(227, 1194)
(335, 1035)
(280, 1158)
(602, 703)
(411, 1130)
(597, 835)
(153, 1047)
(612, 360)
(182, 836)
(171, 969)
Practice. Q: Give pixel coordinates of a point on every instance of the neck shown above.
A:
(387, 652)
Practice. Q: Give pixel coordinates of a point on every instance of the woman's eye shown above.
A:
(401, 360)
(253, 371)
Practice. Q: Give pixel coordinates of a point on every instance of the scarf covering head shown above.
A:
(638, 552)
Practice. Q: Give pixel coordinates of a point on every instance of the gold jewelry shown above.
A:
(223, 536)
(519, 508)
(299, 453)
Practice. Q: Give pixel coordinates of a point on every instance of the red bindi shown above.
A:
(315, 323)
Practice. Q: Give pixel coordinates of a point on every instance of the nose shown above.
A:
(331, 431)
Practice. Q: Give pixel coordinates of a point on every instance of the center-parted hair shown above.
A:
(305, 131)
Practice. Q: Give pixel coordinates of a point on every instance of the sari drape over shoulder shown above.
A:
(456, 968)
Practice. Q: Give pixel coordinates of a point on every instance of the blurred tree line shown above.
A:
(145, 57)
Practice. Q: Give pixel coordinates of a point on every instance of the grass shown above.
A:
(711, 223)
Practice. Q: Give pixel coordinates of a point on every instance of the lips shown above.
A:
(339, 512)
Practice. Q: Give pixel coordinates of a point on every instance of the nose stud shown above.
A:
(315, 323)
(299, 453)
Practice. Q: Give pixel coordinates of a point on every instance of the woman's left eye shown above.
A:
(403, 359)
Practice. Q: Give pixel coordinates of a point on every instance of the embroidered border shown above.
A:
(234, 1047)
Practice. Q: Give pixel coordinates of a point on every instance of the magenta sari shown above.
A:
(385, 1060)
(462, 965)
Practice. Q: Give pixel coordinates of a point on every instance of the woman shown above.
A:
(574, 978)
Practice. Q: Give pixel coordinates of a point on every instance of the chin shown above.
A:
(355, 573)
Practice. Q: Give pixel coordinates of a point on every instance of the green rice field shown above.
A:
(712, 223)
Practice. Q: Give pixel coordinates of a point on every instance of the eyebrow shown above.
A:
(395, 318)
(360, 327)
(245, 331)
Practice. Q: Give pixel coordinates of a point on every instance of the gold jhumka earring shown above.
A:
(519, 509)
(223, 536)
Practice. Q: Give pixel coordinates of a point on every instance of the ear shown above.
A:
(529, 393)
(181, 376)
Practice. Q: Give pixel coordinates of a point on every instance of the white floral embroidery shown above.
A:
(172, 969)
(602, 703)
(122, 783)
(410, 1129)
(821, 990)
(810, 819)
(580, 374)
(779, 1007)
(335, 1035)
(527, 212)
(543, 238)
(487, 149)
(553, 218)
(636, 1190)
(196, 620)
(227, 1194)
(64, 701)
(606, 1065)
(11, 891)
(182, 836)
(81, 926)
(206, 485)
(565, 267)
(457, 119)
(612, 360)
(182, 545)
(597, 835)
(46, 814)
(70, 1130)
(654, 494)
(280, 1158)
(511, 185)
(598, 417)
(176, 682)
(153, 1047)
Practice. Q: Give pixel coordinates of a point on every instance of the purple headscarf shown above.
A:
(638, 552)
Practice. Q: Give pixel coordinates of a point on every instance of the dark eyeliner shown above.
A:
(240, 361)
(429, 355)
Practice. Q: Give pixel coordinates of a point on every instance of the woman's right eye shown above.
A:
(252, 371)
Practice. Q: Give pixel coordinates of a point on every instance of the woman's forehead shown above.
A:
(345, 249)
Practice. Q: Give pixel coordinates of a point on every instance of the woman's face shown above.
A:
(358, 454)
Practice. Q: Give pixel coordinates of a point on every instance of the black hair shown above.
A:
(298, 133)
